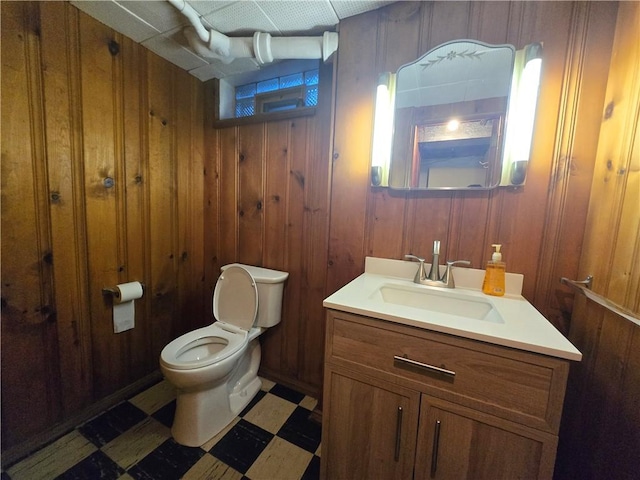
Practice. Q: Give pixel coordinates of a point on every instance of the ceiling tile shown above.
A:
(243, 17)
(158, 13)
(169, 49)
(204, 7)
(348, 8)
(158, 25)
(206, 72)
(300, 17)
(239, 65)
(120, 19)
(220, 70)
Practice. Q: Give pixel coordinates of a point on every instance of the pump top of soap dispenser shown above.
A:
(497, 256)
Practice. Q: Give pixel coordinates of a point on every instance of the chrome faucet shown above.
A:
(421, 275)
(433, 278)
(434, 273)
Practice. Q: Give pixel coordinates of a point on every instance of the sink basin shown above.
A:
(449, 303)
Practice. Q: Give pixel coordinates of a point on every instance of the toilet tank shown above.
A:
(270, 285)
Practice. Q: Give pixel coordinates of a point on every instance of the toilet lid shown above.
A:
(235, 298)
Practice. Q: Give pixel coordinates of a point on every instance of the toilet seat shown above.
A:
(203, 347)
(235, 298)
(235, 306)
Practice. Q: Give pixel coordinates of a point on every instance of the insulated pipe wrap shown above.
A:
(296, 47)
(262, 46)
(193, 17)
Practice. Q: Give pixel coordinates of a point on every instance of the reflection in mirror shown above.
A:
(456, 153)
(450, 110)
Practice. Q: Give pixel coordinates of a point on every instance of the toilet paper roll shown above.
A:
(128, 291)
(124, 306)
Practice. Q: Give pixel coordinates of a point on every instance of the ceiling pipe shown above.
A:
(262, 46)
(193, 16)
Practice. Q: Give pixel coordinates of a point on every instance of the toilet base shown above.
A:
(202, 414)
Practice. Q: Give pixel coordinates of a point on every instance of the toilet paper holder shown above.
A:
(114, 292)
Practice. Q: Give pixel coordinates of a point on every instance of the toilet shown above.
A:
(215, 368)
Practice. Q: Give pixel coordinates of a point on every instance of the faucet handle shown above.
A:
(447, 278)
(420, 274)
(458, 262)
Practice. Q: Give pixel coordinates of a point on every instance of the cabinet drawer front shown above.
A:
(515, 388)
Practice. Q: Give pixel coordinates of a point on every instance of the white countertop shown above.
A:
(523, 328)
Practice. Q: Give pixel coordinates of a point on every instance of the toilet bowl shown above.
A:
(215, 368)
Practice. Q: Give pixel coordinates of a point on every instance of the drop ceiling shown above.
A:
(158, 26)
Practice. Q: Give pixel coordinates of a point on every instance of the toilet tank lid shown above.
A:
(260, 274)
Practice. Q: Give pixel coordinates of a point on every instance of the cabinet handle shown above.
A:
(426, 366)
(434, 451)
(398, 433)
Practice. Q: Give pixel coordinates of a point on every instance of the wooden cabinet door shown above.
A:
(456, 442)
(369, 428)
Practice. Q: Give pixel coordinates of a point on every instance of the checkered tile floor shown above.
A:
(271, 439)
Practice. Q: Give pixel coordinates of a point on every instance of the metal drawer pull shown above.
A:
(426, 366)
(434, 451)
(398, 433)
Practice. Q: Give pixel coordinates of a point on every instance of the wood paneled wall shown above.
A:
(267, 204)
(87, 104)
(600, 436)
(83, 106)
(540, 225)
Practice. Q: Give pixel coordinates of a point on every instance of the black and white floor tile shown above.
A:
(271, 439)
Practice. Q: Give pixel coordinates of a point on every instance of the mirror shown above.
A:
(449, 117)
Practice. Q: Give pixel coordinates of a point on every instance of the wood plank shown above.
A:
(250, 194)
(601, 424)
(162, 202)
(68, 230)
(277, 201)
(315, 235)
(101, 187)
(445, 21)
(297, 186)
(30, 376)
(473, 216)
(429, 221)
(623, 149)
(606, 419)
(211, 195)
(572, 162)
(626, 429)
(202, 307)
(79, 113)
(228, 197)
(489, 21)
(276, 198)
(398, 37)
(189, 160)
(136, 179)
(351, 149)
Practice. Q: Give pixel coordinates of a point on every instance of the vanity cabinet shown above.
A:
(405, 402)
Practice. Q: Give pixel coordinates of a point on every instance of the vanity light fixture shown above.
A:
(521, 114)
(382, 129)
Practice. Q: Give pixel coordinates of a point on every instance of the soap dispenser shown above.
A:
(494, 275)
